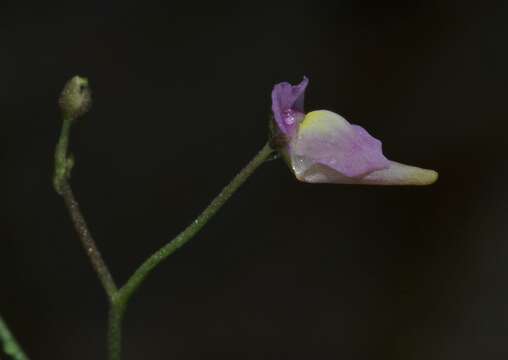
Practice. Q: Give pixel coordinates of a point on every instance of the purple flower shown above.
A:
(322, 147)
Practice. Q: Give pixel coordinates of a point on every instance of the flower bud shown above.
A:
(76, 98)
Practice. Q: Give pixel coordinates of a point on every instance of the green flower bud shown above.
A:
(76, 98)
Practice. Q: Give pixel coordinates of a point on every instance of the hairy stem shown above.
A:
(74, 102)
(63, 166)
(10, 345)
(87, 240)
(116, 313)
(120, 302)
(63, 163)
(160, 255)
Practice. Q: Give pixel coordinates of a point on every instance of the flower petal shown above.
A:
(328, 139)
(287, 105)
(395, 174)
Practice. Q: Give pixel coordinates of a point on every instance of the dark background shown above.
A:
(286, 270)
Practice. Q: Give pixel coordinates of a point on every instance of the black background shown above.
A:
(286, 270)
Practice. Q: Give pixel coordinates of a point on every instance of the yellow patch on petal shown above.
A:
(322, 121)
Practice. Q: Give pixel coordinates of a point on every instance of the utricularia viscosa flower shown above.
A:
(322, 147)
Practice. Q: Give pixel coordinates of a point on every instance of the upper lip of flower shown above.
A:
(287, 105)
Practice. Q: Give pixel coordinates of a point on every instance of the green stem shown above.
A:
(160, 255)
(74, 102)
(119, 298)
(63, 163)
(10, 345)
(116, 312)
(63, 166)
(87, 240)
(123, 295)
